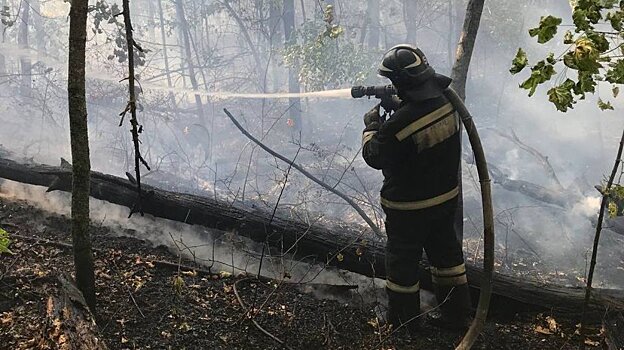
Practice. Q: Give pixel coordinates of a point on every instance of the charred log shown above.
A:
(348, 247)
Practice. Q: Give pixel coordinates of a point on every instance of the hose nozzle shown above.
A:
(381, 91)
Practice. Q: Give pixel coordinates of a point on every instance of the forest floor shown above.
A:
(144, 303)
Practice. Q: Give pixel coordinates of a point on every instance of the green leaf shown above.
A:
(586, 56)
(519, 62)
(4, 242)
(600, 41)
(586, 83)
(615, 74)
(546, 30)
(568, 38)
(616, 20)
(615, 91)
(579, 17)
(540, 73)
(604, 105)
(551, 58)
(561, 95)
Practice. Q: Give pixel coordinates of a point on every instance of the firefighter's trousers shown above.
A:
(432, 229)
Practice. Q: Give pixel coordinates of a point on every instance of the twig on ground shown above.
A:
(255, 323)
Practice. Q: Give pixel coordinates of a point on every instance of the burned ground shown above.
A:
(145, 303)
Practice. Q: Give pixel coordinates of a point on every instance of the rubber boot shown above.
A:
(403, 310)
(455, 312)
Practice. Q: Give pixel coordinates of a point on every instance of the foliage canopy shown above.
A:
(326, 57)
(595, 53)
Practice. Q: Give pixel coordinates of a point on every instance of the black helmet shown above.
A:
(405, 65)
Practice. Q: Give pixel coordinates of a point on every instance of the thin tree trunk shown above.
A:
(275, 39)
(410, 12)
(459, 74)
(163, 37)
(2, 28)
(40, 43)
(450, 35)
(288, 19)
(372, 14)
(466, 46)
(83, 256)
(304, 17)
(189, 60)
(22, 41)
(151, 22)
(603, 205)
(250, 43)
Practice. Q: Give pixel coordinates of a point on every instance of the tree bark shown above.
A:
(250, 43)
(22, 41)
(459, 75)
(69, 324)
(275, 40)
(2, 28)
(40, 43)
(163, 37)
(359, 252)
(466, 46)
(410, 12)
(372, 15)
(288, 19)
(83, 256)
(184, 28)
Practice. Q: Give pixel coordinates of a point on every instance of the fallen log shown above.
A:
(349, 247)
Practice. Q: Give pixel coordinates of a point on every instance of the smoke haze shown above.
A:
(205, 154)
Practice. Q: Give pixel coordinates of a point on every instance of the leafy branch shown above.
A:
(326, 57)
(595, 55)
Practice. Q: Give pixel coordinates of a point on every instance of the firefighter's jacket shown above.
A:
(419, 151)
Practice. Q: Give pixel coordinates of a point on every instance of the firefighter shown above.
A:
(418, 149)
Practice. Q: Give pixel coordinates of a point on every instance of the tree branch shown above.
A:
(307, 174)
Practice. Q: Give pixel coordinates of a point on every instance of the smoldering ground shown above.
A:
(215, 250)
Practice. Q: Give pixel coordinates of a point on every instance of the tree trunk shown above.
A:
(410, 12)
(372, 15)
(466, 46)
(288, 19)
(151, 21)
(22, 41)
(252, 47)
(2, 28)
(40, 42)
(184, 28)
(83, 256)
(163, 37)
(317, 243)
(459, 75)
(450, 39)
(275, 40)
(69, 324)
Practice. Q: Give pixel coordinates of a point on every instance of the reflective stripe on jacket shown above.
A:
(418, 149)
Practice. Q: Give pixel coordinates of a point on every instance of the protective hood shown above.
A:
(431, 88)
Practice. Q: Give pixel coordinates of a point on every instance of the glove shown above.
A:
(391, 104)
(372, 119)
